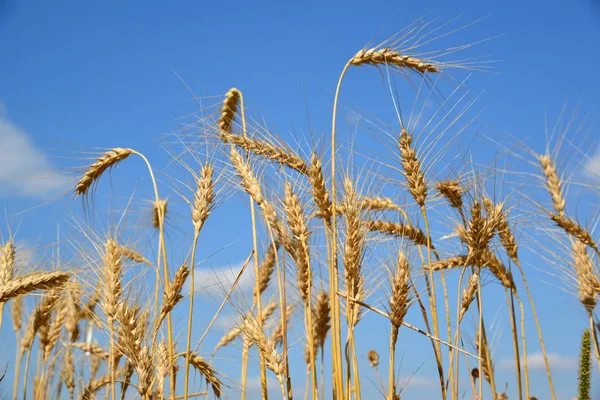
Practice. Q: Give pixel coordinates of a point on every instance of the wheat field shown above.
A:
(415, 235)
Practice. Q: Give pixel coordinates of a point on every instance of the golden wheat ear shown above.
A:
(228, 110)
(95, 171)
(32, 282)
(388, 56)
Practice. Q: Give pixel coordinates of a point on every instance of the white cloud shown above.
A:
(592, 166)
(24, 169)
(226, 322)
(419, 381)
(218, 281)
(535, 362)
(255, 386)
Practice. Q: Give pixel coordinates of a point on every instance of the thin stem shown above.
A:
(432, 298)
(539, 330)
(26, 375)
(161, 227)
(511, 302)
(245, 351)
(190, 315)
(19, 359)
(392, 368)
(333, 267)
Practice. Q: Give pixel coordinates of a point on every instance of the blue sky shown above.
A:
(78, 77)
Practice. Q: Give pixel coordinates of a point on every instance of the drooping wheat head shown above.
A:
(237, 330)
(404, 230)
(95, 171)
(452, 192)
(207, 371)
(172, 294)
(29, 283)
(375, 56)
(268, 151)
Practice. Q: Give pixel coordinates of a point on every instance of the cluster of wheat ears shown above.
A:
(317, 207)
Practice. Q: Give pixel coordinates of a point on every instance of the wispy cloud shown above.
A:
(217, 281)
(592, 166)
(535, 362)
(419, 381)
(24, 169)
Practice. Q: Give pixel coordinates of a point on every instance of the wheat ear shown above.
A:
(206, 370)
(95, 171)
(387, 56)
(32, 282)
(398, 302)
